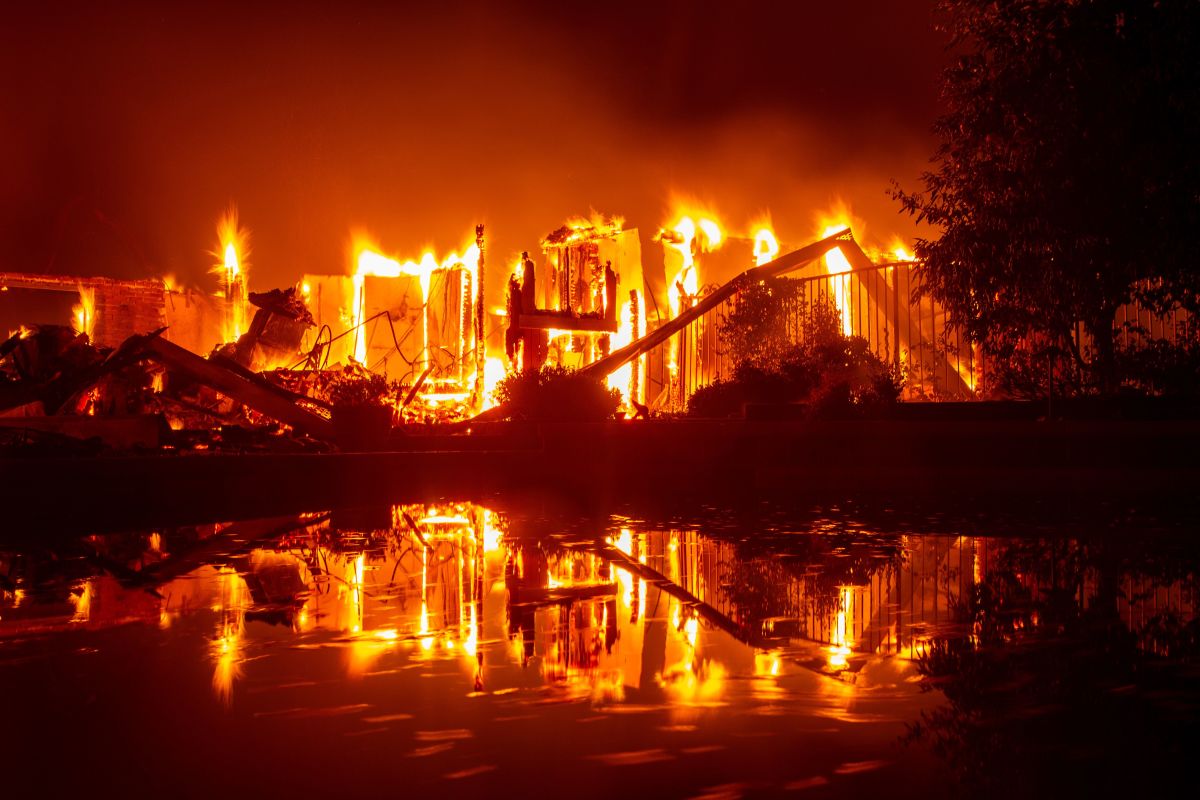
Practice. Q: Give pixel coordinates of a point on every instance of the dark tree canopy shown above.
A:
(1067, 181)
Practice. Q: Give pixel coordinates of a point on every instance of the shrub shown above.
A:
(832, 373)
(354, 390)
(556, 394)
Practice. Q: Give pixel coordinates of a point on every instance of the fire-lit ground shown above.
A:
(458, 649)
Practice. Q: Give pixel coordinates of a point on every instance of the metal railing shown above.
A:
(885, 306)
(935, 360)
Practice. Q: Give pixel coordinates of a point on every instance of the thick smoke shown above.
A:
(128, 129)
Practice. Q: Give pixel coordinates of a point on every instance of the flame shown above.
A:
(369, 261)
(492, 534)
(233, 247)
(595, 225)
(83, 313)
(493, 372)
(689, 237)
(900, 251)
(766, 246)
(622, 378)
(836, 263)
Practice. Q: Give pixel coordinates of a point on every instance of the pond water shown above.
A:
(458, 648)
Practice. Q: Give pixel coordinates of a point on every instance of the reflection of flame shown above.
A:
(83, 602)
(839, 639)
(227, 646)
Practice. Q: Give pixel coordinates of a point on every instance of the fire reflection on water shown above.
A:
(671, 613)
(227, 645)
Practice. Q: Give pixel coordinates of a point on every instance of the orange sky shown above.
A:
(127, 128)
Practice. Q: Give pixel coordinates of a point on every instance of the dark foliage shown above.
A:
(1041, 681)
(358, 389)
(556, 394)
(816, 364)
(1067, 182)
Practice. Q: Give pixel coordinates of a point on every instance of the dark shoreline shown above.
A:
(945, 464)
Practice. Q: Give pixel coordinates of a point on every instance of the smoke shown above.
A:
(131, 129)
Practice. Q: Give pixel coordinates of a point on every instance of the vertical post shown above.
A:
(465, 320)
(635, 334)
(896, 315)
(480, 344)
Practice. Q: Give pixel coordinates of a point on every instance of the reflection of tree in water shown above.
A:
(1053, 684)
(797, 575)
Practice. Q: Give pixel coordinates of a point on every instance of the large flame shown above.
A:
(368, 261)
(232, 250)
(766, 246)
(836, 263)
(621, 379)
(689, 237)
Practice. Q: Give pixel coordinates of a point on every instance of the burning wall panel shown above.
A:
(194, 319)
(330, 300)
(400, 298)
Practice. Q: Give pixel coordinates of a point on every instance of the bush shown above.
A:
(355, 390)
(556, 394)
(833, 374)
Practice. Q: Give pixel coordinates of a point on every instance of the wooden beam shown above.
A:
(565, 322)
(780, 266)
(252, 391)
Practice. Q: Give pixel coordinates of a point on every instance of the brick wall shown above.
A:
(124, 308)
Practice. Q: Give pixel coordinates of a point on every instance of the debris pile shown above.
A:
(58, 388)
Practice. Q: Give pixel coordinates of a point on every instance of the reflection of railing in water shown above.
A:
(598, 614)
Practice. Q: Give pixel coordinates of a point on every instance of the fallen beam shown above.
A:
(773, 269)
(780, 266)
(565, 322)
(250, 391)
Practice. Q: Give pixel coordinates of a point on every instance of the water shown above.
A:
(724, 654)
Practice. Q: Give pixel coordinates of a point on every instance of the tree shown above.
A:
(1067, 181)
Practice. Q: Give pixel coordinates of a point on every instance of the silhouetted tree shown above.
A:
(1067, 181)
